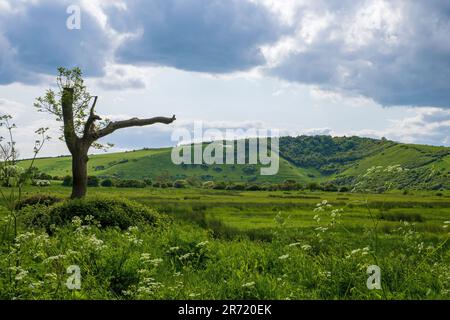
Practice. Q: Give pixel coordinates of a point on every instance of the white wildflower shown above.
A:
(156, 262)
(294, 244)
(21, 275)
(54, 258)
(248, 284)
(77, 222)
(202, 244)
(133, 229)
(185, 256)
(145, 257)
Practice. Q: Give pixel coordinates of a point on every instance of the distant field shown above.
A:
(251, 210)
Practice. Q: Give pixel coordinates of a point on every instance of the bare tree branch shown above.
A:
(133, 122)
(90, 121)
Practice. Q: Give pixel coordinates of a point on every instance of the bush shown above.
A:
(109, 212)
(107, 183)
(93, 181)
(180, 184)
(237, 186)
(290, 185)
(220, 185)
(42, 176)
(330, 187)
(252, 187)
(380, 190)
(42, 199)
(160, 184)
(67, 181)
(194, 181)
(163, 184)
(208, 185)
(312, 186)
(131, 184)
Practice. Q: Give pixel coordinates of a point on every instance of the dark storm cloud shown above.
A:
(399, 62)
(394, 52)
(208, 36)
(34, 40)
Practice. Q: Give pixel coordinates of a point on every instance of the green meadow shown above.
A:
(228, 244)
(338, 209)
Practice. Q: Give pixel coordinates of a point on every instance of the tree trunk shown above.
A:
(79, 172)
(79, 146)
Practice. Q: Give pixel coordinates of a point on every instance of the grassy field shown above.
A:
(248, 211)
(242, 244)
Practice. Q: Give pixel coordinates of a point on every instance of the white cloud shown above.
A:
(12, 108)
(122, 77)
(424, 126)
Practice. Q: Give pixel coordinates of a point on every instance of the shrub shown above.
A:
(290, 185)
(380, 190)
(131, 184)
(237, 186)
(194, 181)
(312, 186)
(42, 176)
(208, 185)
(158, 184)
(330, 187)
(43, 199)
(148, 182)
(162, 184)
(109, 212)
(93, 181)
(180, 184)
(252, 187)
(220, 185)
(67, 181)
(107, 183)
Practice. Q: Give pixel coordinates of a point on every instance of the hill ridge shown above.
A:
(339, 160)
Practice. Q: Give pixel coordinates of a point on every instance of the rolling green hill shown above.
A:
(303, 159)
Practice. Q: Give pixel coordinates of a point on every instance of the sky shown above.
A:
(369, 68)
